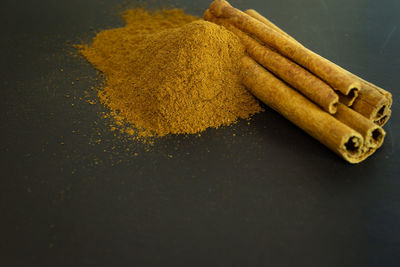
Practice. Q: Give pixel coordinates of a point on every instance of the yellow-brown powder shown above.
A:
(168, 72)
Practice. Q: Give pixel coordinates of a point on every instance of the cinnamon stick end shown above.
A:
(207, 15)
(217, 5)
(332, 109)
(376, 137)
(353, 92)
(351, 149)
(382, 121)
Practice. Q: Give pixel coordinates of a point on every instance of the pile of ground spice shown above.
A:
(169, 72)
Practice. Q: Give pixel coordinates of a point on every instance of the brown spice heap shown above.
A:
(168, 72)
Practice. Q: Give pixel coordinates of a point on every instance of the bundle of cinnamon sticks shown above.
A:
(341, 110)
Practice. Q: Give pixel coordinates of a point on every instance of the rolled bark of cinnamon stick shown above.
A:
(334, 134)
(346, 100)
(382, 121)
(373, 102)
(298, 77)
(316, 64)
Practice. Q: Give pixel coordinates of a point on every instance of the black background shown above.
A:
(75, 194)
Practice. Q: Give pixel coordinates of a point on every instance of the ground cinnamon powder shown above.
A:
(169, 72)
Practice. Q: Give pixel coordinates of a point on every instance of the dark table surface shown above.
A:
(73, 194)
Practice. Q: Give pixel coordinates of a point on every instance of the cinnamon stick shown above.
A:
(253, 13)
(334, 134)
(373, 102)
(287, 47)
(302, 80)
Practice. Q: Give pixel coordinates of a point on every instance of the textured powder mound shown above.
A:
(170, 73)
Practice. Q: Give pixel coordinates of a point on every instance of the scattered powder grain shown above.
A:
(169, 72)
